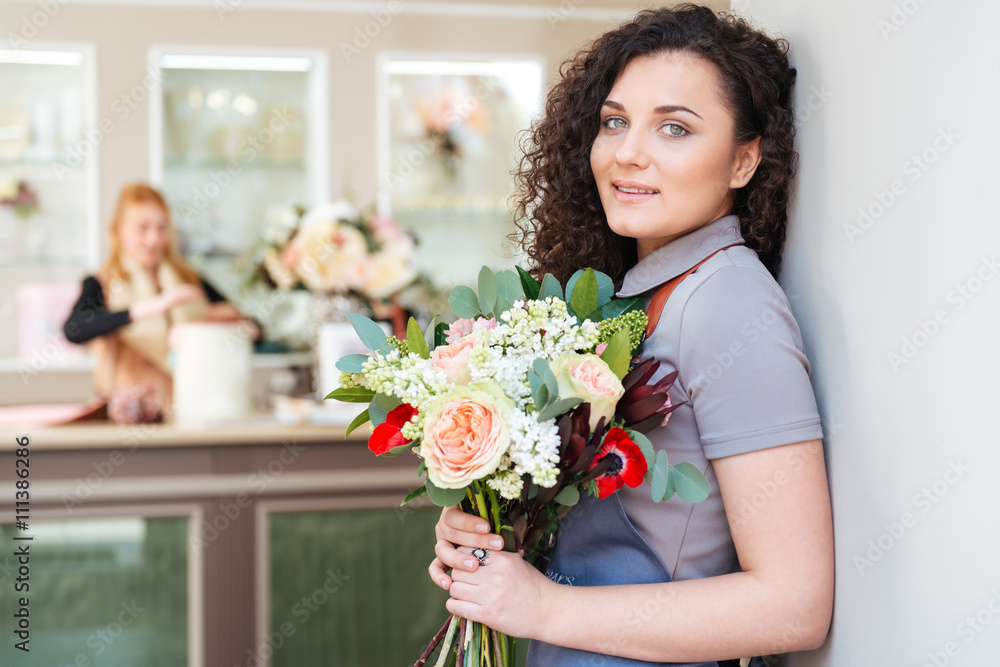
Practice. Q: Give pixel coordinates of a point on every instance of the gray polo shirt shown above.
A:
(729, 331)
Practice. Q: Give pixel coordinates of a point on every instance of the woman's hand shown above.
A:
(454, 528)
(505, 593)
(161, 303)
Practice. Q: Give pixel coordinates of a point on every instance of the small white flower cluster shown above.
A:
(409, 378)
(505, 481)
(534, 447)
(530, 330)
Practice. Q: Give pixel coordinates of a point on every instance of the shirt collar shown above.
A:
(676, 257)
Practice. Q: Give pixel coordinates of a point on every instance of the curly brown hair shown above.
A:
(557, 208)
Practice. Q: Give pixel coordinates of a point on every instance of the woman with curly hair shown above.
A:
(665, 158)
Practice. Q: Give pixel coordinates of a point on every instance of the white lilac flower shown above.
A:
(534, 447)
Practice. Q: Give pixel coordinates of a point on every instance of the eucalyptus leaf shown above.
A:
(415, 340)
(584, 296)
(368, 331)
(429, 334)
(556, 408)
(571, 283)
(660, 472)
(605, 288)
(543, 370)
(378, 415)
(351, 395)
(645, 445)
(444, 497)
(386, 402)
(351, 363)
(362, 418)
(487, 291)
(414, 494)
(396, 451)
(618, 353)
(550, 287)
(690, 483)
(541, 396)
(464, 302)
(509, 288)
(569, 496)
(671, 489)
(528, 284)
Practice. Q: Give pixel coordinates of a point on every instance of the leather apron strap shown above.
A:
(659, 300)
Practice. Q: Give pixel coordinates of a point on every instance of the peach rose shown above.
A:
(465, 435)
(589, 377)
(453, 359)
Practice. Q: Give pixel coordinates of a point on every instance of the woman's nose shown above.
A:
(632, 149)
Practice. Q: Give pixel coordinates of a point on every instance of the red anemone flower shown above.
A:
(628, 464)
(389, 434)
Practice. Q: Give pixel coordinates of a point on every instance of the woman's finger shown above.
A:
(457, 527)
(439, 574)
(454, 558)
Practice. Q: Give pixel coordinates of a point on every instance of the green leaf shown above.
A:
(550, 287)
(584, 296)
(690, 483)
(414, 494)
(422, 468)
(386, 402)
(429, 334)
(464, 302)
(605, 288)
(377, 414)
(415, 339)
(616, 307)
(509, 288)
(556, 408)
(370, 333)
(351, 363)
(645, 445)
(541, 368)
(659, 479)
(396, 451)
(352, 395)
(571, 283)
(487, 291)
(618, 353)
(440, 337)
(528, 284)
(569, 496)
(362, 418)
(444, 497)
(541, 395)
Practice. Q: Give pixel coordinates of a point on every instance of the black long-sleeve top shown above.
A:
(90, 317)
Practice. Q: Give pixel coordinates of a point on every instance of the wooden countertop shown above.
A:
(254, 429)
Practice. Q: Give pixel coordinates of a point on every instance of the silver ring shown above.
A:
(482, 555)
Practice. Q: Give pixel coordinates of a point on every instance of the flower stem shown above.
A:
(434, 642)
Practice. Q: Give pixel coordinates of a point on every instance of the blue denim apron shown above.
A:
(598, 546)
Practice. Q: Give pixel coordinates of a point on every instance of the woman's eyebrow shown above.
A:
(666, 108)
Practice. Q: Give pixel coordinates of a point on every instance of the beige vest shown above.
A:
(138, 352)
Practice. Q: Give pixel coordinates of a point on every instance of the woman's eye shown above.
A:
(675, 130)
(614, 123)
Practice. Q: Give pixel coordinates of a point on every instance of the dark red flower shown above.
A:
(389, 434)
(628, 464)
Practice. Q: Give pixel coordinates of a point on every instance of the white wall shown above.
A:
(914, 572)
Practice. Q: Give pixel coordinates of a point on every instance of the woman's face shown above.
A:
(144, 232)
(664, 158)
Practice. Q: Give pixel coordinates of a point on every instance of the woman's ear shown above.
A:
(746, 161)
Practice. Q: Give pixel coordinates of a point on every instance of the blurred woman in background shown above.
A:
(126, 310)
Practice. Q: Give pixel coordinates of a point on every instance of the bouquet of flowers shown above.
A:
(336, 248)
(527, 401)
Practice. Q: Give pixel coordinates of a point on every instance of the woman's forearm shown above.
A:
(714, 618)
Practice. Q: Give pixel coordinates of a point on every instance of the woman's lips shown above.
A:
(633, 192)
